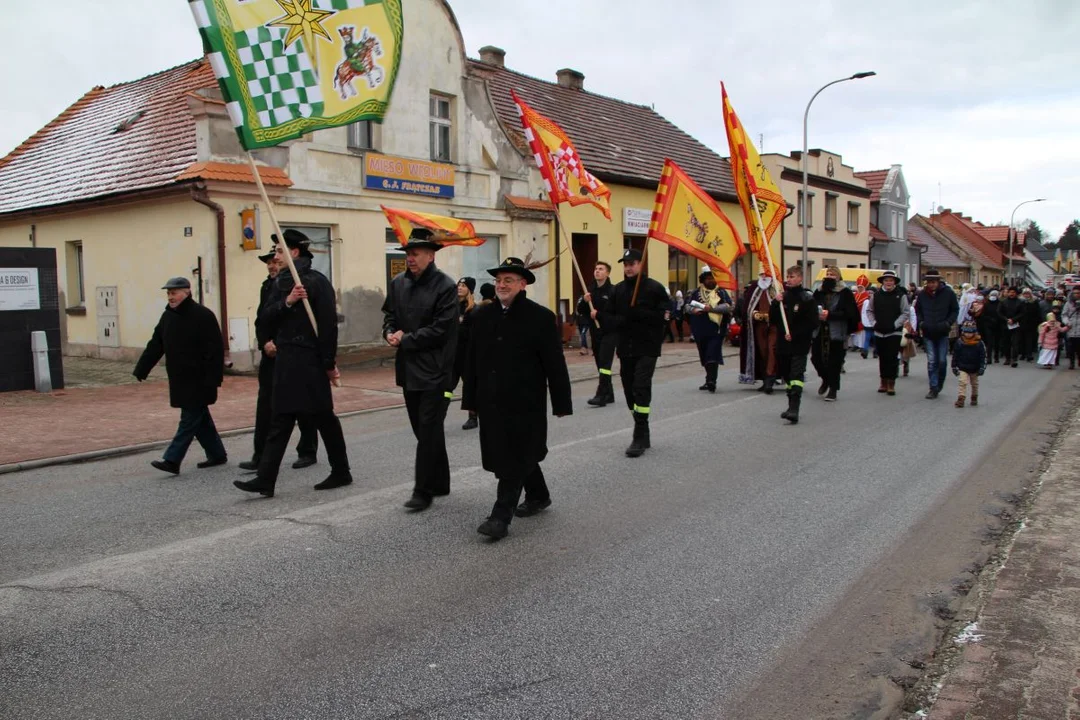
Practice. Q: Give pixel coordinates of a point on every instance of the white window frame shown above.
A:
(440, 118)
(831, 201)
(853, 207)
(809, 209)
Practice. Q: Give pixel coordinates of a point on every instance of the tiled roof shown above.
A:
(527, 203)
(999, 235)
(617, 140)
(876, 234)
(936, 255)
(234, 172)
(979, 248)
(132, 136)
(875, 180)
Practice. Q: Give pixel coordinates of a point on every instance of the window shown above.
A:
(361, 135)
(830, 262)
(440, 128)
(76, 282)
(853, 217)
(809, 210)
(475, 261)
(830, 211)
(897, 225)
(320, 247)
(948, 277)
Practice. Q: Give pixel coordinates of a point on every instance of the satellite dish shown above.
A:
(940, 208)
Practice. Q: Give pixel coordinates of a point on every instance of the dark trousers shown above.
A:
(604, 350)
(509, 493)
(993, 347)
(828, 359)
(427, 412)
(792, 369)
(281, 427)
(636, 375)
(1013, 342)
(308, 446)
(889, 357)
(195, 424)
(1072, 349)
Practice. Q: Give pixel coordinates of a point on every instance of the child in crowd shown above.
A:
(1049, 332)
(968, 362)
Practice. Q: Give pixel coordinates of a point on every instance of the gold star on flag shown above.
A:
(303, 21)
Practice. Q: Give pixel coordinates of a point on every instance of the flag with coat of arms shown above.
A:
(289, 67)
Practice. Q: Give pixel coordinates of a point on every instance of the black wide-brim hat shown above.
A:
(295, 239)
(267, 257)
(516, 266)
(932, 274)
(421, 239)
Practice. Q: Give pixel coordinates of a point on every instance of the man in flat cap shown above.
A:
(304, 368)
(640, 324)
(420, 319)
(514, 360)
(189, 337)
(308, 446)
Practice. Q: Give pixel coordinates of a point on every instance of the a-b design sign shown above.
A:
(411, 177)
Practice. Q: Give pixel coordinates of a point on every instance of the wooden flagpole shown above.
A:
(281, 238)
(641, 271)
(759, 230)
(577, 267)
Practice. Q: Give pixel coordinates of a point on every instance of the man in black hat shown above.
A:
(888, 312)
(640, 325)
(308, 446)
(304, 368)
(602, 329)
(515, 359)
(420, 319)
(937, 309)
(189, 337)
(709, 308)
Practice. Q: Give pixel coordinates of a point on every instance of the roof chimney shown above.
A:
(572, 79)
(491, 55)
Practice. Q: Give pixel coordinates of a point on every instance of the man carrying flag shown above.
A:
(601, 296)
(710, 309)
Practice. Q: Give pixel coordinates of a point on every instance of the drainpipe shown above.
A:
(199, 195)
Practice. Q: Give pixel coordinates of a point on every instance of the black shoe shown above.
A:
(418, 502)
(211, 463)
(494, 529)
(166, 466)
(831, 397)
(932, 395)
(530, 507)
(254, 486)
(304, 461)
(335, 480)
(249, 465)
(824, 388)
(863, 353)
(598, 400)
(1014, 364)
(711, 387)
(471, 424)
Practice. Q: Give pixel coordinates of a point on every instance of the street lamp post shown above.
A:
(1012, 233)
(805, 172)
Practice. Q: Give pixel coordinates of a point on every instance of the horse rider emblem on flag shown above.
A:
(288, 67)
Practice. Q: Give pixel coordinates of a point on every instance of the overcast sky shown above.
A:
(979, 96)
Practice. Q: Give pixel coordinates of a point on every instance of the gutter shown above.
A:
(200, 196)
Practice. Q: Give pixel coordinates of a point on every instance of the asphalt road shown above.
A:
(661, 587)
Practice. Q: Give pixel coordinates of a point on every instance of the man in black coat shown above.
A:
(305, 367)
(839, 320)
(308, 446)
(936, 309)
(189, 337)
(793, 343)
(515, 359)
(1011, 314)
(640, 325)
(420, 319)
(602, 329)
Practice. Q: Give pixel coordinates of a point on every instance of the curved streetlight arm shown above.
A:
(1012, 232)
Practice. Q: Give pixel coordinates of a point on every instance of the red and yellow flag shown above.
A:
(565, 177)
(448, 230)
(686, 218)
(751, 178)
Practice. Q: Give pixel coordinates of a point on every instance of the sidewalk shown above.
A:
(1022, 657)
(105, 409)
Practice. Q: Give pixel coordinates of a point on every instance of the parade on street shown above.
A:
(354, 369)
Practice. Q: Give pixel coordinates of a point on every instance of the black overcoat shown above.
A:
(190, 340)
(640, 325)
(426, 310)
(301, 383)
(514, 361)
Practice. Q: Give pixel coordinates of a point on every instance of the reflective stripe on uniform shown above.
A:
(641, 410)
(605, 371)
(448, 395)
(796, 383)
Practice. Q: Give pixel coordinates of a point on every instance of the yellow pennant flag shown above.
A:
(447, 230)
(686, 218)
(753, 179)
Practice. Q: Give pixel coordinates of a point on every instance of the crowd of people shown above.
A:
(505, 350)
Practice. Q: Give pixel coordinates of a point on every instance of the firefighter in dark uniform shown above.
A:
(308, 446)
(514, 361)
(306, 365)
(640, 326)
(602, 329)
(793, 347)
(421, 320)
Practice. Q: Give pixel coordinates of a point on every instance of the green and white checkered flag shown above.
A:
(301, 65)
